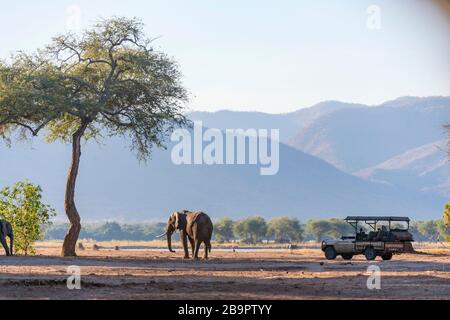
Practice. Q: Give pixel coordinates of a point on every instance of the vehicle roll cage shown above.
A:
(373, 221)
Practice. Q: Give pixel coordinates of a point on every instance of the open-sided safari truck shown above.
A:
(392, 238)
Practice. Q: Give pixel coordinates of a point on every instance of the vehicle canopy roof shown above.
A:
(376, 218)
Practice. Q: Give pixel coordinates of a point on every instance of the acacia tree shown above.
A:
(251, 229)
(318, 228)
(428, 229)
(109, 80)
(339, 228)
(285, 229)
(223, 229)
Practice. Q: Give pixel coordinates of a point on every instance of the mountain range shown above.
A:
(336, 159)
(358, 139)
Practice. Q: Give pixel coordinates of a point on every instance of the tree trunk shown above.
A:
(70, 240)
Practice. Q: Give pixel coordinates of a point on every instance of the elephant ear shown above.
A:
(195, 215)
(177, 219)
(180, 220)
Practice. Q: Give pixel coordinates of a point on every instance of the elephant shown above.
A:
(195, 226)
(6, 230)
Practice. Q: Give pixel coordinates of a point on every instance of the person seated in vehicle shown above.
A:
(362, 236)
(381, 234)
(384, 233)
(378, 235)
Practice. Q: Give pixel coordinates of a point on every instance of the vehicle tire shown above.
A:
(370, 253)
(330, 253)
(387, 256)
(347, 256)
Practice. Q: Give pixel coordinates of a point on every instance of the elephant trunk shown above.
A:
(169, 241)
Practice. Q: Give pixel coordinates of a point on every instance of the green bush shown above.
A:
(21, 205)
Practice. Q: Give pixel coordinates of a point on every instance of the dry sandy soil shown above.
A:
(265, 274)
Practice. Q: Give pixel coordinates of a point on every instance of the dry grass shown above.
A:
(433, 246)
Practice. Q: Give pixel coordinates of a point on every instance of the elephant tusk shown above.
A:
(161, 235)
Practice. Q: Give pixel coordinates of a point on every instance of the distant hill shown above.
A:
(248, 120)
(425, 168)
(307, 116)
(358, 138)
(288, 123)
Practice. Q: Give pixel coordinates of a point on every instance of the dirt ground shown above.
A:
(264, 274)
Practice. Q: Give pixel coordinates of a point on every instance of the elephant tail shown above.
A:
(209, 247)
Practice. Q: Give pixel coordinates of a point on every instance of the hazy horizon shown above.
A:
(231, 108)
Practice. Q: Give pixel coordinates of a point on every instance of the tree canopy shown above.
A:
(223, 230)
(110, 78)
(251, 229)
(318, 228)
(428, 229)
(285, 229)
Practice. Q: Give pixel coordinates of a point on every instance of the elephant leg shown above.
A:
(4, 244)
(197, 248)
(183, 237)
(192, 246)
(11, 244)
(207, 248)
(205, 256)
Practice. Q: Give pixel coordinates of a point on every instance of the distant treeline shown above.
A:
(109, 231)
(248, 230)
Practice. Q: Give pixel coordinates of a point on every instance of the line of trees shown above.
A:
(255, 229)
(251, 230)
(109, 231)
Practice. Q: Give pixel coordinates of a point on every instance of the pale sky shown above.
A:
(271, 56)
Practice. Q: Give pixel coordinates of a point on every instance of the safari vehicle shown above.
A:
(384, 242)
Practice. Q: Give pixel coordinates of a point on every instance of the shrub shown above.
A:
(21, 205)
